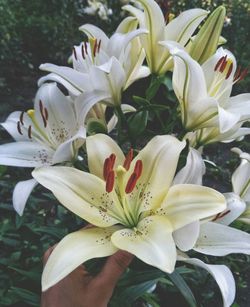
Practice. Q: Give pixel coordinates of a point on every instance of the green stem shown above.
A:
(122, 121)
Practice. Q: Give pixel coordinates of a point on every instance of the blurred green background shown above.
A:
(39, 31)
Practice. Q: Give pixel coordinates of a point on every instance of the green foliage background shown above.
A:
(34, 32)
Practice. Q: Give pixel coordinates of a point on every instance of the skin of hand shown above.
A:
(80, 289)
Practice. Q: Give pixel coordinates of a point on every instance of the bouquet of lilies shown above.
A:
(141, 191)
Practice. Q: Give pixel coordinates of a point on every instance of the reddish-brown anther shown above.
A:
(243, 74)
(86, 48)
(108, 165)
(131, 183)
(99, 46)
(19, 128)
(110, 182)
(112, 158)
(229, 71)
(95, 48)
(128, 159)
(223, 64)
(138, 168)
(29, 132)
(74, 51)
(220, 215)
(219, 63)
(82, 49)
(21, 118)
(46, 113)
(134, 177)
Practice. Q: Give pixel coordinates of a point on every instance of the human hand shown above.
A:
(80, 289)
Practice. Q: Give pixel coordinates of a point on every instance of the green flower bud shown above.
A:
(206, 41)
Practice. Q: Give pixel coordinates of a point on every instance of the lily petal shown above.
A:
(186, 203)
(220, 240)
(193, 171)
(99, 148)
(240, 104)
(151, 242)
(25, 154)
(186, 237)
(21, 194)
(54, 77)
(181, 28)
(222, 276)
(74, 249)
(77, 79)
(82, 193)
(161, 153)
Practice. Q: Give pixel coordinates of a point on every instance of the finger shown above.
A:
(114, 268)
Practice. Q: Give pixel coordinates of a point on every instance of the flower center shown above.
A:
(109, 173)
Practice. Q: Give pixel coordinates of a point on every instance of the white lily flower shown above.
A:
(212, 236)
(131, 201)
(106, 65)
(47, 135)
(180, 30)
(204, 91)
(241, 183)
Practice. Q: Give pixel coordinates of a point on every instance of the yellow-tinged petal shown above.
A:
(82, 193)
(159, 160)
(74, 249)
(99, 148)
(186, 203)
(151, 241)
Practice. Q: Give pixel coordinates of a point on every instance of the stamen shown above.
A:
(220, 215)
(86, 48)
(128, 159)
(21, 118)
(106, 168)
(134, 177)
(74, 51)
(223, 64)
(95, 48)
(46, 114)
(29, 132)
(108, 165)
(110, 181)
(112, 158)
(82, 49)
(19, 128)
(99, 46)
(219, 63)
(131, 183)
(229, 71)
(138, 168)
(41, 106)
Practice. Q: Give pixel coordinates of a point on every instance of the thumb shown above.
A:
(114, 268)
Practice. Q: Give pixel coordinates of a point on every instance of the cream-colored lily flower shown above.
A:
(241, 183)
(48, 134)
(129, 200)
(180, 30)
(104, 65)
(204, 92)
(212, 236)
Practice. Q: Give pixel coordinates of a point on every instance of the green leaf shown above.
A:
(137, 122)
(180, 283)
(140, 101)
(95, 126)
